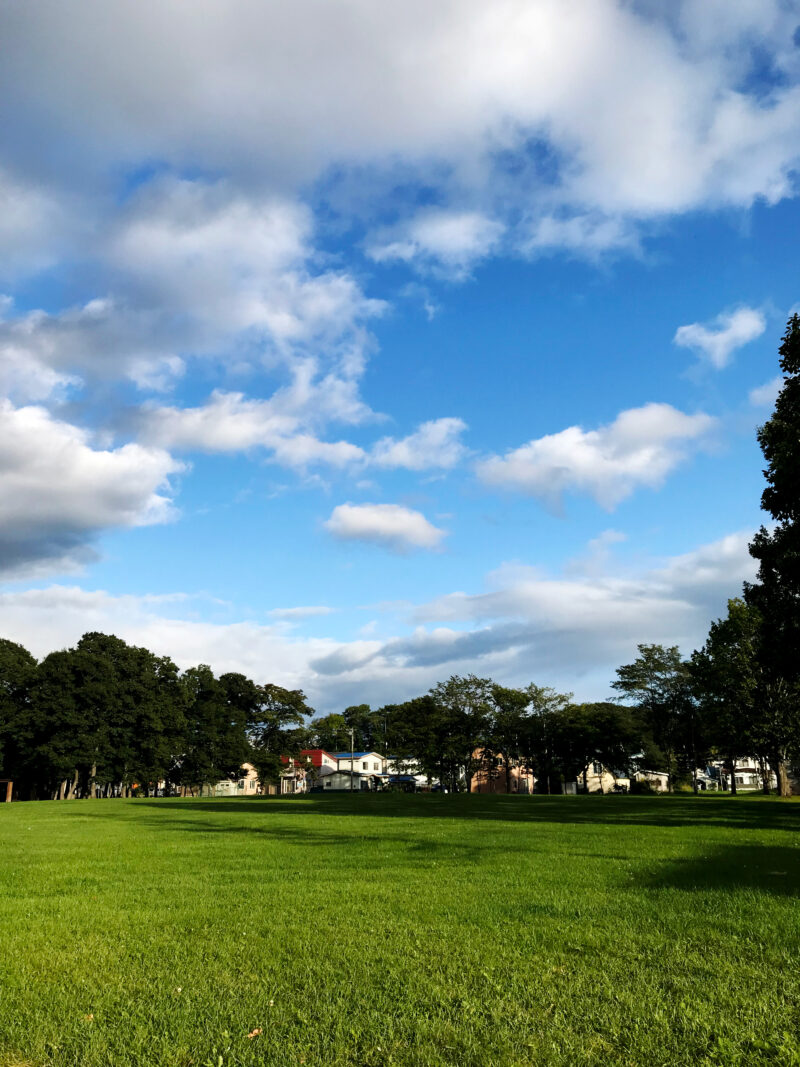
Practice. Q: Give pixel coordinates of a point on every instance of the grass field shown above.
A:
(379, 929)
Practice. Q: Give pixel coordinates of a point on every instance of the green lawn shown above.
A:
(424, 930)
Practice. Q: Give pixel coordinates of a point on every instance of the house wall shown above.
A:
(245, 786)
(602, 781)
(495, 780)
(369, 763)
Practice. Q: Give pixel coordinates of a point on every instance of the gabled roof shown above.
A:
(356, 755)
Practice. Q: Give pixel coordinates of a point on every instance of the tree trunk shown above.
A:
(62, 789)
(779, 766)
(764, 777)
(733, 777)
(92, 784)
(73, 785)
(586, 778)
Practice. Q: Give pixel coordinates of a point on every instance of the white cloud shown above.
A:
(717, 341)
(231, 423)
(453, 240)
(199, 269)
(595, 109)
(57, 492)
(33, 226)
(435, 444)
(639, 448)
(587, 235)
(765, 395)
(389, 525)
(568, 632)
(292, 614)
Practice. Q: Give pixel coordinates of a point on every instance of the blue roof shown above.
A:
(356, 755)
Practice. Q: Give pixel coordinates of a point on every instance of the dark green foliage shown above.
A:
(275, 723)
(216, 739)
(659, 685)
(17, 671)
(776, 595)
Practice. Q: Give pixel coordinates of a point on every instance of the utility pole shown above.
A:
(352, 759)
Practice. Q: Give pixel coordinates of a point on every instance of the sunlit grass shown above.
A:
(424, 930)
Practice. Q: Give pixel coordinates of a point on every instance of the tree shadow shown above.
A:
(756, 813)
(773, 869)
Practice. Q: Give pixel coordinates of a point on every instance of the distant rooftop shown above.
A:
(355, 755)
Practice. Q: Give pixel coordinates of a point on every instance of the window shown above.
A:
(327, 785)
(365, 765)
(597, 768)
(241, 784)
(376, 766)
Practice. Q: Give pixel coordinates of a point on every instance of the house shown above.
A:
(655, 780)
(597, 778)
(748, 774)
(496, 774)
(363, 762)
(247, 785)
(368, 767)
(406, 773)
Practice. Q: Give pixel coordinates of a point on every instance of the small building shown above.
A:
(405, 773)
(597, 778)
(496, 774)
(246, 785)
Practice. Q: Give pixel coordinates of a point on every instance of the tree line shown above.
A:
(107, 719)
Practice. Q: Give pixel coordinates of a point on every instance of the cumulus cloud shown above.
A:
(764, 396)
(389, 525)
(716, 342)
(57, 492)
(639, 448)
(515, 109)
(436, 444)
(452, 240)
(282, 424)
(571, 632)
(588, 235)
(199, 269)
(231, 423)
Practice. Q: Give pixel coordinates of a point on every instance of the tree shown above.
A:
(359, 718)
(462, 721)
(776, 594)
(726, 677)
(216, 743)
(331, 732)
(508, 724)
(596, 732)
(658, 682)
(538, 743)
(17, 672)
(276, 726)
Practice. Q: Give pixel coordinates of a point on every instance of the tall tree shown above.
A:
(17, 672)
(659, 685)
(216, 743)
(776, 594)
(276, 725)
(726, 677)
(463, 709)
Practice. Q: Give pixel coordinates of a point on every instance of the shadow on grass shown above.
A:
(771, 869)
(667, 811)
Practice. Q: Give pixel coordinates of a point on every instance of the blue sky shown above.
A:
(354, 347)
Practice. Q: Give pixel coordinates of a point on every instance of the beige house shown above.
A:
(245, 786)
(597, 778)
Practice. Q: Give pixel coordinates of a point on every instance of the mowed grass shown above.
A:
(429, 930)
